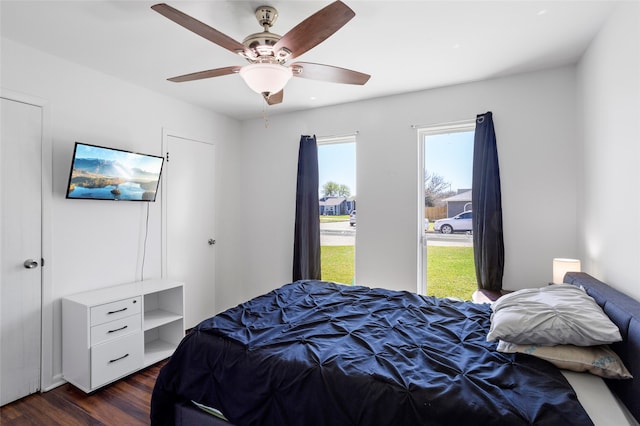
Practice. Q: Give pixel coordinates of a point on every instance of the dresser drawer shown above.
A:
(114, 329)
(115, 310)
(116, 358)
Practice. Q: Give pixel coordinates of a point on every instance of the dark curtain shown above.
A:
(488, 245)
(306, 244)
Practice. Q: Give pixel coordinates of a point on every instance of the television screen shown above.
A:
(100, 173)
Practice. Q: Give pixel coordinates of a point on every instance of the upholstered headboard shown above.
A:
(624, 311)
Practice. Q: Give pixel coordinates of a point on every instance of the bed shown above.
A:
(320, 353)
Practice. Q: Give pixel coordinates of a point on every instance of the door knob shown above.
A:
(30, 264)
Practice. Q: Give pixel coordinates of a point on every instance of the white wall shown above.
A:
(535, 122)
(544, 165)
(609, 89)
(97, 243)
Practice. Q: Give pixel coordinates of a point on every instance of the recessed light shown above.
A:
(542, 12)
(456, 46)
(312, 98)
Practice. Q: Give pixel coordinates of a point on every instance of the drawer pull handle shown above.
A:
(115, 312)
(118, 359)
(117, 329)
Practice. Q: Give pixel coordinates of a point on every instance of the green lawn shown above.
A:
(337, 263)
(451, 272)
(450, 269)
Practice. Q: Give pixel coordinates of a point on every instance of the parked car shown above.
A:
(352, 218)
(459, 223)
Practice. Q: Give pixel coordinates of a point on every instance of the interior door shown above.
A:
(189, 223)
(20, 249)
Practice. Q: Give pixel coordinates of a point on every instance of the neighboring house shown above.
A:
(458, 203)
(351, 205)
(334, 206)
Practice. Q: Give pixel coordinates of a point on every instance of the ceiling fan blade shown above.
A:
(328, 73)
(199, 28)
(315, 29)
(275, 98)
(205, 74)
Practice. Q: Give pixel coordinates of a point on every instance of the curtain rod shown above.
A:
(444, 126)
(327, 139)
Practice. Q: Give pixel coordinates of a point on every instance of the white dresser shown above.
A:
(114, 331)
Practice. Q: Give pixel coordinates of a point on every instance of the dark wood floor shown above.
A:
(125, 402)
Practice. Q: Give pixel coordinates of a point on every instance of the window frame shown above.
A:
(422, 132)
(341, 139)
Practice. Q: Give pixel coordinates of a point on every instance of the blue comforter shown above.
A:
(319, 353)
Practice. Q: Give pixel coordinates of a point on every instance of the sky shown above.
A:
(448, 155)
(337, 163)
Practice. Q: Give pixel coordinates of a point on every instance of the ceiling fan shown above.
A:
(268, 53)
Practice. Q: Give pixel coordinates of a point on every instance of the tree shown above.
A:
(343, 191)
(435, 188)
(332, 189)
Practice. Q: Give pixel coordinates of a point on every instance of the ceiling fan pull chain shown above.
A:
(265, 117)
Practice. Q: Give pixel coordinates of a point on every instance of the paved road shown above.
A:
(337, 234)
(342, 234)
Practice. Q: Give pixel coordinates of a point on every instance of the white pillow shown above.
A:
(561, 314)
(599, 360)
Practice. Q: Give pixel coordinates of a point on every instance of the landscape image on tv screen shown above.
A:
(111, 174)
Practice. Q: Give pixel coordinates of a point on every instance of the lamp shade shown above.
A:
(265, 78)
(561, 266)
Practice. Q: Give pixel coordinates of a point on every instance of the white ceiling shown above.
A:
(404, 45)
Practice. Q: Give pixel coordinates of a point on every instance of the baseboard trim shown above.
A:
(56, 381)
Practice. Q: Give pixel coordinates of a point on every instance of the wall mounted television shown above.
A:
(101, 173)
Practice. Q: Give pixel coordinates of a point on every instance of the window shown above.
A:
(446, 251)
(337, 194)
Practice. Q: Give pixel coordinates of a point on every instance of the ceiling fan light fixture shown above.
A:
(265, 77)
(267, 52)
